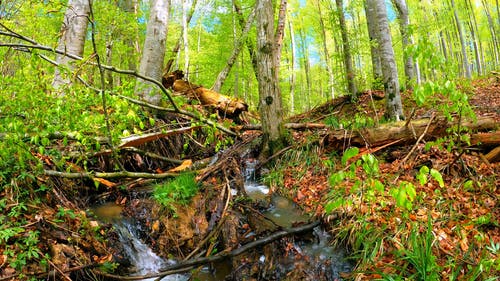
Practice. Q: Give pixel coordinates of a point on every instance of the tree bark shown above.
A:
(331, 77)
(349, 69)
(72, 40)
(461, 36)
(394, 107)
(250, 44)
(221, 78)
(154, 51)
(401, 134)
(177, 47)
(132, 40)
(292, 66)
(185, 37)
(270, 106)
(374, 44)
(404, 22)
(280, 33)
(494, 39)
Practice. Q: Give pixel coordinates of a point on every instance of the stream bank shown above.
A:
(232, 210)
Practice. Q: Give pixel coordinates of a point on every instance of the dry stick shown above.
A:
(418, 140)
(181, 266)
(111, 175)
(412, 114)
(63, 274)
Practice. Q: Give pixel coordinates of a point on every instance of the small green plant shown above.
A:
(417, 250)
(367, 188)
(404, 195)
(180, 190)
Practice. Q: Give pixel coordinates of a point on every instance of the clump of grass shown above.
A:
(417, 251)
(177, 191)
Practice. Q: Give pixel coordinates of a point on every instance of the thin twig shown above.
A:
(418, 140)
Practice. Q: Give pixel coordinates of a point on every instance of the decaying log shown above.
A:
(486, 139)
(226, 106)
(372, 137)
(493, 155)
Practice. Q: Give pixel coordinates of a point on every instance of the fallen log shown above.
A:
(225, 105)
(494, 155)
(387, 133)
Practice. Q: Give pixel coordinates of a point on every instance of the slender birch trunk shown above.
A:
(374, 44)
(221, 78)
(331, 77)
(154, 51)
(349, 69)
(394, 107)
(72, 40)
(404, 22)
(177, 47)
(185, 37)
(461, 36)
(250, 44)
(292, 66)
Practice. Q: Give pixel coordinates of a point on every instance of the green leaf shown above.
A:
(348, 154)
(438, 177)
(378, 186)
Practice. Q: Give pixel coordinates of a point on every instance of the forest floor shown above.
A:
(414, 211)
(443, 229)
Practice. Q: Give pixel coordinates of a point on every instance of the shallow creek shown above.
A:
(280, 210)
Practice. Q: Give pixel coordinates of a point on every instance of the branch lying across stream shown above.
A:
(111, 175)
(223, 255)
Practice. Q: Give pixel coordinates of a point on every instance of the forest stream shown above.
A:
(314, 246)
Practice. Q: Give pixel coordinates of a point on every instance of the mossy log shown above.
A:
(225, 105)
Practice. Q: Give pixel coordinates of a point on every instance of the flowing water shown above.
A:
(281, 211)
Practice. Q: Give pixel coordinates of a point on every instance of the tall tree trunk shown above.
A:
(478, 45)
(404, 22)
(394, 107)
(270, 102)
(280, 32)
(461, 36)
(132, 41)
(492, 29)
(374, 44)
(349, 69)
(331, 77)
(221, 78)
(307, 67)
(154, 51)
(72, 40)
(185, 37)
(250, 44)
(292, 66)
(177, 47)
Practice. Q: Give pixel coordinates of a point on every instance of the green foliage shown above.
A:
(404, 195)
(179, 190)
(417, 250)
(341, 194)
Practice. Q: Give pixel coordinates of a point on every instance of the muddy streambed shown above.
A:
(304, 256)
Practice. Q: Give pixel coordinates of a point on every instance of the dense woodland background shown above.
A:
(312, 67)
